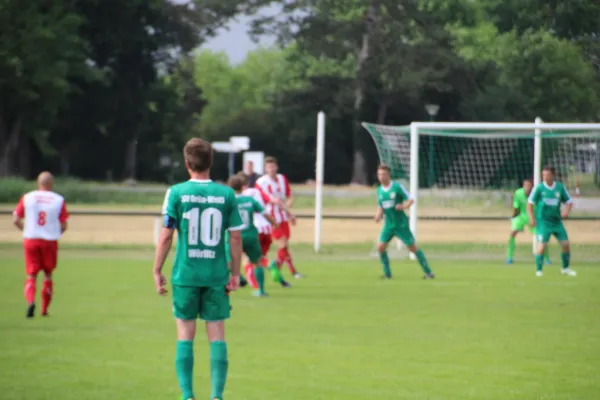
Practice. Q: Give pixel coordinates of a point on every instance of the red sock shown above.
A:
(30, 290)
(264, 261)
(281, 254)
(46, 296)
(249, 269)
(288, 261)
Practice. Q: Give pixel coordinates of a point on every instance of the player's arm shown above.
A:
(165, 240)
(288, 193)
(63, 218)
(261, 210)
(405, 205)
(378, 214)
(268, 198)
(407, 199)
(516, 210)
(19, 214)
(533, 198)
(566, 199)
(235, 225)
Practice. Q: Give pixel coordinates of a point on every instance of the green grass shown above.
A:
(480, 331)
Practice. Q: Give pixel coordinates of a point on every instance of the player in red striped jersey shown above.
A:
(46, 216)
(264, 228)
(277, 188)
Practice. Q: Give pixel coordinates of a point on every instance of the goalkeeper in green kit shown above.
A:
(547, 198)
(392, 200)
(520, 219)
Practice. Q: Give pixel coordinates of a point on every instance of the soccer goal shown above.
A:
(464, 175)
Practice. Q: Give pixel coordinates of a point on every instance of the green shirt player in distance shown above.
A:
(201, 211)
(247, 207)
(520, 219)
(546, 200)
(392, 200)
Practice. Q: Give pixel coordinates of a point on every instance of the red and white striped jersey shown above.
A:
(44, 211)
(260, 222)
(278, 188)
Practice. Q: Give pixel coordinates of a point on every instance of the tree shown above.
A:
(39, 51)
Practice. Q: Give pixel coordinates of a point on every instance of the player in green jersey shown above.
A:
(547, 198)
(520, 219)
(247, 206)
(201, 211)
(392, 200)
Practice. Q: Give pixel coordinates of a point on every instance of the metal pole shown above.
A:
(430, 168)
(231, 163)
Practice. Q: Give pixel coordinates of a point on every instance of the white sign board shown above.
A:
(257, 158)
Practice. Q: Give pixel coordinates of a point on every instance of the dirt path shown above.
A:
(140, 230)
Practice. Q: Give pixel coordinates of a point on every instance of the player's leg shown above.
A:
(565, 246)
(186, 308)
(265, 240)
(215, 309)
(546, 252)
(517, 225)
(33, 265)
(252, 249)
(384, 238)
(49, 258)
(279, 238)
(406, 236)
(542, 236)
(282, 238)
(243, 281)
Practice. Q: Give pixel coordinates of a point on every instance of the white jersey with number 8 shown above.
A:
(44, 211)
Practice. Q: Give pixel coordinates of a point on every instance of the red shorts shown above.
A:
(265, 242)
(40, 255)
(282, 231)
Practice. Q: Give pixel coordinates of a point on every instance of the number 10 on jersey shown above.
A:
(206, 226)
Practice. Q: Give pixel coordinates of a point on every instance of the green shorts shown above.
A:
(207, 303)
(545, 232)
(250, 246)
(520, 222)
(401, 232)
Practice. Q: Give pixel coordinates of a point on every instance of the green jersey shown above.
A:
(520, 202)
(387, 199)
(547, 201)
(247, 206)
(203, 211)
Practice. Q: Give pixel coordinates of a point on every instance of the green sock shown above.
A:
(423, 261)
(385, 264)
(184, 365)
(539, 262)
(566, 260)
(259, 273)
(218, 368)
(511, 247)
(547, 253)
(275, 273)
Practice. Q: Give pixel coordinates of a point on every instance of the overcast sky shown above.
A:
(235, 42)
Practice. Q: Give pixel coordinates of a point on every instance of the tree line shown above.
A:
(113, 88)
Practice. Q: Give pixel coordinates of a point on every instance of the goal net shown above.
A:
(464, 176)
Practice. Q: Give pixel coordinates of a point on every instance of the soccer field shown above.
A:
(480, 331)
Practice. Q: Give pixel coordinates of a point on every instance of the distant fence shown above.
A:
(133, 213)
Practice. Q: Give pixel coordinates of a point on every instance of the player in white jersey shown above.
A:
(46, 215)
(277, 188)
